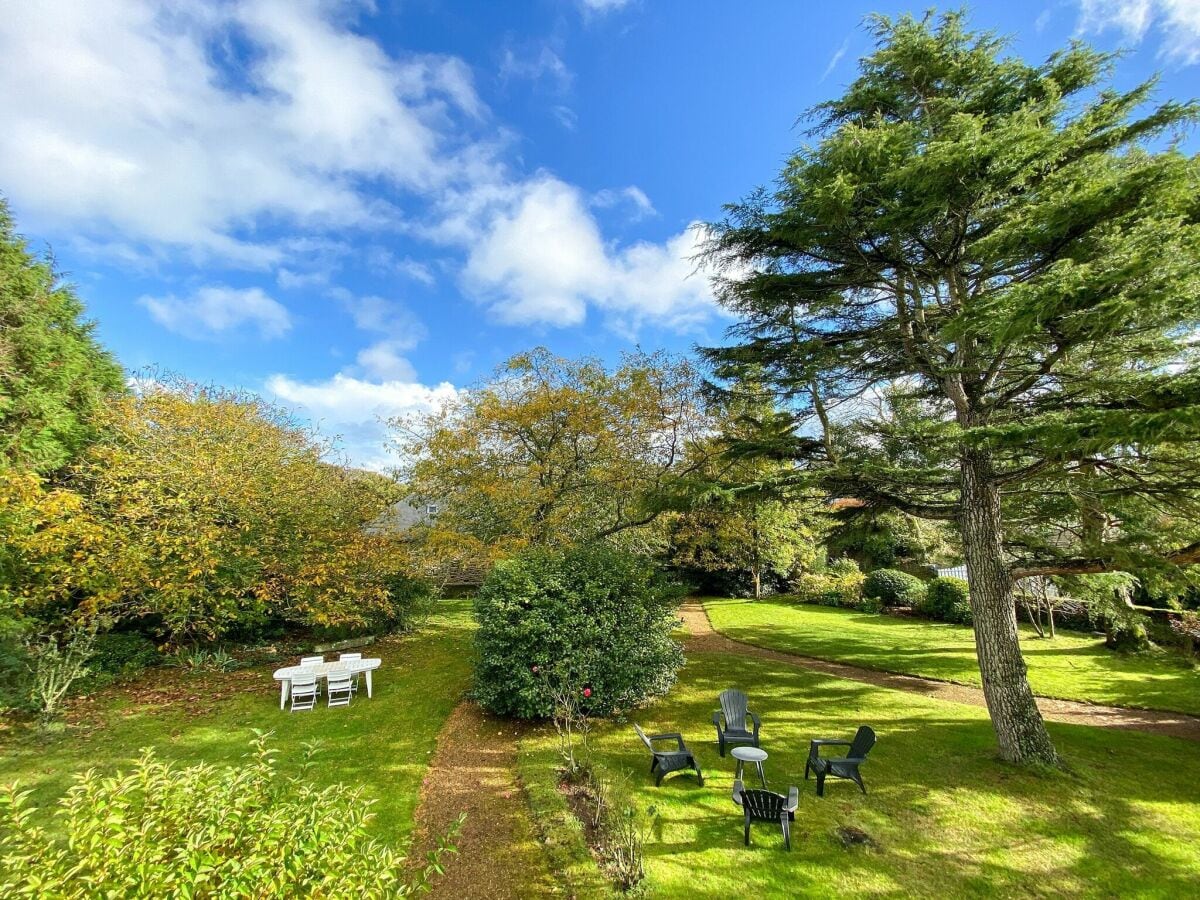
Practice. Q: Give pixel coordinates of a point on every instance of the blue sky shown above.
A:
(356, 208)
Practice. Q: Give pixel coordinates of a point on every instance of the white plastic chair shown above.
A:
(339, 687)
(355, 677)
(313, 661)
(304, 692)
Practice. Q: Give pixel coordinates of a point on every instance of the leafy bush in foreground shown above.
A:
(894, 588)
(202, 831)
(590, 616)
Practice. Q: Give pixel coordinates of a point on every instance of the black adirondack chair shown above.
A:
(730, 720)
(768, 806)
(666, 761)
(840, 766)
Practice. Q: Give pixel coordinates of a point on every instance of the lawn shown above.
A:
(383, 744)
(1071, 666)
(946, 817)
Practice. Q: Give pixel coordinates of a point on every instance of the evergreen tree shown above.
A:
(53, 372)
(1016, 247)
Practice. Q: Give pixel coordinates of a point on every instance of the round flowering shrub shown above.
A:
(894, 588)
(592, 621)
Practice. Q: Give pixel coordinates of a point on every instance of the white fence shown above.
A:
(1035, 585)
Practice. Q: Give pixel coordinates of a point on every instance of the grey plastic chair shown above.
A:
(730, 720)
(768, 806)
(840, 766)
(665, 762)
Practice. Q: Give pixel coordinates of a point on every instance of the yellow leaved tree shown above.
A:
(222, 512)
(555, 451)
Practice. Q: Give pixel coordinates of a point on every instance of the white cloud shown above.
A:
(603, 6)
(542, 260)
(118, 118)
(566, 116)
(632, 195)
(1178, 21)
(835, 59)
(383, 361)
(254, 131)
(216, 310)
(356, 409)
(382, 316)
(1182, 31)
(385, 262)
(545, 63)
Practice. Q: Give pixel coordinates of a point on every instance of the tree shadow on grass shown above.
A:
(944, 813)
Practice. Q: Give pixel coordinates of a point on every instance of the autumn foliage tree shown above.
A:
(1017, 247)
(220, 512)
(555, 451)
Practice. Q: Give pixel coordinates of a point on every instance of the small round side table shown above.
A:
(745, 755)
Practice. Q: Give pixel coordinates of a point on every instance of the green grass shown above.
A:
(383, 744)
(948, 818)
(1071, 666)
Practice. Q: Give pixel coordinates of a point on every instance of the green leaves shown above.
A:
(1007, 248)
(204, 831)
(55, 373)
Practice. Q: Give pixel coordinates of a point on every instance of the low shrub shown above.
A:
(943, 597)
(161, 830)
(894, 588)
(409, 601)
(870, 605)
(591, 616)
(123, 653)
(839, 584)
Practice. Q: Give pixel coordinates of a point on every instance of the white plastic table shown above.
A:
(322, 670)
(745, 755)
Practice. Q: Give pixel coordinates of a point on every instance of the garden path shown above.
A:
(473, 770)
(703, 637)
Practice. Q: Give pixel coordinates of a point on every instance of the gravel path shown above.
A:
(702, 637)
(474, 771)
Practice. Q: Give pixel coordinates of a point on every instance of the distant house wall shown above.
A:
(403, 517)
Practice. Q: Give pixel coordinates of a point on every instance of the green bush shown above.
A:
(838, 584)
(122, 653)
(409, 602)
(591, 616)
(201, 831)
(894, 588)
(944, 598)
(870, 605)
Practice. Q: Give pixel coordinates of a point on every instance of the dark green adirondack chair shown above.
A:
(840, 766)
(768, 806)
(730, 720)
(664, 762)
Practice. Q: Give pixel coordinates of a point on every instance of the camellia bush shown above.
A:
(592, 617)
(162, 830)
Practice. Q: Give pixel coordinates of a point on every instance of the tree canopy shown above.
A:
(1013, 247)
(53, 372)
(555, 451)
